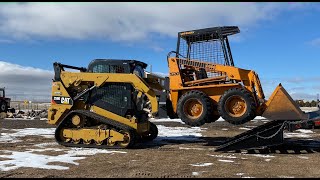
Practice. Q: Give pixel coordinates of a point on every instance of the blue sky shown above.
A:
(280, 41)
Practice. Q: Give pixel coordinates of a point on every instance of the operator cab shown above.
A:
(117, 66)
(208, 45)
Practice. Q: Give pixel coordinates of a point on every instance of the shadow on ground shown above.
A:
(290, 146)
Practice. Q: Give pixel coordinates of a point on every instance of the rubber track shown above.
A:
(115, 124)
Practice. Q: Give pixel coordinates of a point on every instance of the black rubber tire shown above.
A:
(3, 106)
(213, 118)
(170, 112)
(153, 133)
(250, 112)
(206, 104)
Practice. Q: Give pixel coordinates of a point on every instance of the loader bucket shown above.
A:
(281, 106)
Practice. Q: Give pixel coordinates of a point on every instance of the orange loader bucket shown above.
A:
(281, 106)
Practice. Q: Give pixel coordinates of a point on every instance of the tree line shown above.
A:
(312, 103)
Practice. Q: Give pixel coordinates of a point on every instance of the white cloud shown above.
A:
(304, 96)
(315, 42)
(127, 21)
(297, 87)
(6, 41)
(161, 74)
(25, 82)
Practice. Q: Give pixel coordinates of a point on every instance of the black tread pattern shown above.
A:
(251, 106)
(213, 116)
(116, 125)
(3, 103)
(170, 112)
(153, 133)
(208, 108)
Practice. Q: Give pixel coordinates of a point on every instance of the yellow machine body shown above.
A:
(279, 106)
(98, 133)
(213, 86)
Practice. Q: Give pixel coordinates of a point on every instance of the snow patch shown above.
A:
(306, 131)
(259, 118)
(12, 137)
(47, 149)
(166, 120)
(29, 159)
(303, 157)
(198, 173)
(243, 128)
(299, 135)
(201, 164)
(32, 160)
(25, 119)
(195, 173)
(225, 160)
(261, 155)
(309, 109)
(285, 177)
(224, 129)
(241, 174)
(267, 160)
(222, 156)
(250, 126)
(90, 152)
(178, 133)
(191, 148)
(42, 145)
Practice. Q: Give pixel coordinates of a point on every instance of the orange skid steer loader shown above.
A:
(204, 84)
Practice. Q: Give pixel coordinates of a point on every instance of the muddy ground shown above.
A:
(28, 150)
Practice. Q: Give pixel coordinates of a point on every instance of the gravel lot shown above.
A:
(27, 149)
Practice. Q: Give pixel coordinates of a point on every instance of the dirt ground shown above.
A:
(176, 155)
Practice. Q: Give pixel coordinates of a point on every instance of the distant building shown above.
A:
(300, 100)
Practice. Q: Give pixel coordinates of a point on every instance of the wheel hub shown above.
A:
(193, 108)
(236, 106)
(78, 120)
(126, 139)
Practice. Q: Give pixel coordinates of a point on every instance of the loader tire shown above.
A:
(215, 114)
(194, 108)
(237, 106)
(152, 134)
(170, 112)
(212, 118)
(3, 106)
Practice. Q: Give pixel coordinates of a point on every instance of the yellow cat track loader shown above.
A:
(102, 106)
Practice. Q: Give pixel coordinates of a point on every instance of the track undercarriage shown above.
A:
(82, 128)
